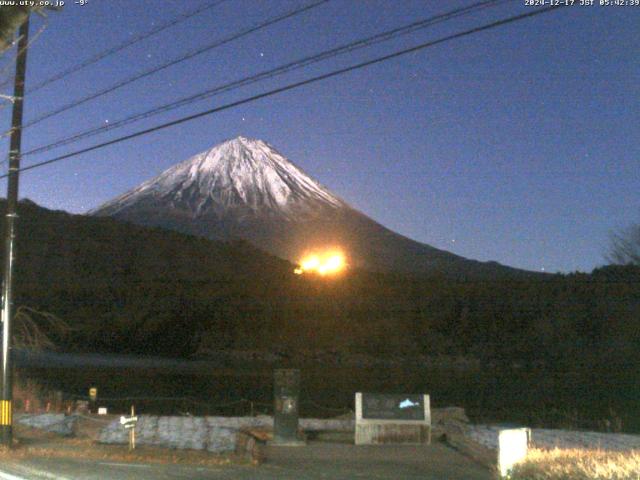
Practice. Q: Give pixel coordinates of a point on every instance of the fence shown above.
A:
(57, 401)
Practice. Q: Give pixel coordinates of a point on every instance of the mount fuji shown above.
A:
(245, 189)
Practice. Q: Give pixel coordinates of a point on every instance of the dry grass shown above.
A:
(90, 451)
(578, 464)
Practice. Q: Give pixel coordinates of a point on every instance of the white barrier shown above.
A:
(513, 445)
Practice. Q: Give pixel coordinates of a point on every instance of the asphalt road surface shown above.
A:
(314, 461)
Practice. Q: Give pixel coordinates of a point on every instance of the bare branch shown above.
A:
(625, 247)
(33, 329)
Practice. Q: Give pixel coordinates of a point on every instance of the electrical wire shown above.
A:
(175, 61)
(282, 69)
(10, 98)
(117, 48)
(292, 86)
(9, 65)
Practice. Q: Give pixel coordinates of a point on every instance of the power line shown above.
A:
(175, 61)
(282, 69)
(42, 28)
(292, 86)
(117, 48)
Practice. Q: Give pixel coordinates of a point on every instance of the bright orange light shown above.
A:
(328, 263)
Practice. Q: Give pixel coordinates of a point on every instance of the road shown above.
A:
(314, 462)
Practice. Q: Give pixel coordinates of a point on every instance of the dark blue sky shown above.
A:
(519, 144)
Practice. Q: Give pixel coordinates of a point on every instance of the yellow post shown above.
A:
(5, 412)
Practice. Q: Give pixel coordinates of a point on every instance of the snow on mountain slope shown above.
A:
(245, 189)
(237, 174)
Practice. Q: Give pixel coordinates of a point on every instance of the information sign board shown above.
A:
(393, 407)
(392, 418)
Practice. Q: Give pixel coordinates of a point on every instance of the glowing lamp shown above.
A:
(327, 263)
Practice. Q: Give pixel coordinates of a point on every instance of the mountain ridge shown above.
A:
(239, 171)
(244, 188)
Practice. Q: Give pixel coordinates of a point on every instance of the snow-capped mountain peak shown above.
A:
(244, 189)
(240, 173)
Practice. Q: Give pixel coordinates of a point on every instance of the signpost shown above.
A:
(129, 423)
(286, 396)
(392, 418)
(93, 397)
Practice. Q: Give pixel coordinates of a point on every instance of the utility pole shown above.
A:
(6, 394)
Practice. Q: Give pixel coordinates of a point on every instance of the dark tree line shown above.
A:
(137, 290)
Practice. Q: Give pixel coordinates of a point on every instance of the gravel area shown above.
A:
(218, 434)
(487, 435)
(50, 422)
(214, 434)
